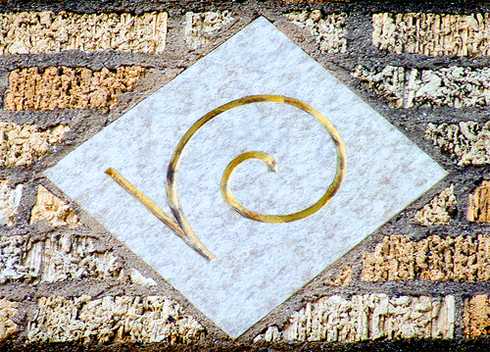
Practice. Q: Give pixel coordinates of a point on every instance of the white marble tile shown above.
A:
(258, 265)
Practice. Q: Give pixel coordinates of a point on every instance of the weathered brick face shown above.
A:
(68, 88)
(147, 319)
(328, 30)
(434, 258)
(21, 145)
(49, 32)
(401, 87)
(368, 317)
(9, 202)
(52, 210)
(202, 28)
(8, 311)
(479, 204)
(466, 142)
(432, 34)
(54, 259)
(477, 316)
(440, 210)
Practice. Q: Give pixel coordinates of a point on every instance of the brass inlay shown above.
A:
(181, 226)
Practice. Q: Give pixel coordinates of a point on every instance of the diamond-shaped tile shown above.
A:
(258, 265)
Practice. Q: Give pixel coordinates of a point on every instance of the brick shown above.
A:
(52, 210)
(21, 145)
(341, 278)
(367, 317)
(432, 34)
(201, 28)
(328, 30)
(112, 319)
(137, 278)
(466, 142)
(69, 88)
(434, 258)
(47, 32)
(440, 209)
(8, 310)
(9, 202)
(55, 259)
(458, 87)
(476, 316)
(393, 259)
(479, 204)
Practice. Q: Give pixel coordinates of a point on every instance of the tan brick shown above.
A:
(440, 209)
(113, 319)
(139, 279)
(479, 203)
(367, 317)
(476, 316)
(391, 260)
(9, 202)
(432, 34)
(49, 32)
(328, 30)
(69, 88)
(21, 145)
(52, 210)
(55, 259)
(201, 28)
(458, 87)
(341, 278)
(465, 141)
(483, 258)
(8, 310)
(434, 258)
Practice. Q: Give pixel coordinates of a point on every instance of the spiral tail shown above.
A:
(179, 223)
(180, 228)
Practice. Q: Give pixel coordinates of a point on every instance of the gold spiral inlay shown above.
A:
(181, 226)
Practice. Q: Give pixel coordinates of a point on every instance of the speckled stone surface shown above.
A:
(259, 265)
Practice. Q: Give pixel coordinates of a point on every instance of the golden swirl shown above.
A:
(182, 227)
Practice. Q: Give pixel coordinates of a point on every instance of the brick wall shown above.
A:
(65, 73)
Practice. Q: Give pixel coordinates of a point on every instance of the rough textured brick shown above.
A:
(479, 203)
(328, 30)
(434, 258)
(55, 259)
(342, 278)
(468, 141)
(69, 88)
(8, 310)
(440, 209)
(112, 319)
(48, 32)
(49, 208)
(137, 278)
(432, 34)
(9, 202)
(459, 87)
(477, 316)
(21, 145)
(201, 28)
(367, 317)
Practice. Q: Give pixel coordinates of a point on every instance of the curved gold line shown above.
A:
(227, 194)
(181, 226)
(158, 212)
